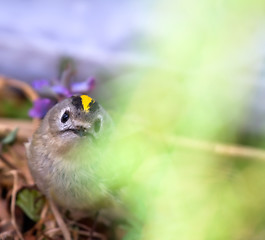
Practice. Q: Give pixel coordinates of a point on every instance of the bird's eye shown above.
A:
(65, 117)
(97, 125)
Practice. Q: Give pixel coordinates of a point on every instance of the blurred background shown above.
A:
(104, 40)
(101, 40)
(184, 82)
(101, 37)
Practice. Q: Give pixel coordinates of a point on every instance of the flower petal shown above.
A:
(40, 107)
(39, 84)
(82, 87)
(61, 90)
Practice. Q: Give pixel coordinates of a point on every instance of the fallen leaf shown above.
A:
(31, 202)
(10, 138)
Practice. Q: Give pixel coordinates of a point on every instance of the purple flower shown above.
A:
(61, 90)
(40, 107)
(56, 90)
(83, 87)
(39, 84)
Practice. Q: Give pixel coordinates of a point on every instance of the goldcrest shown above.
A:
(61, 168)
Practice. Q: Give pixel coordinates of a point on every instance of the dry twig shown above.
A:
(13, 202)
(6, 162)
(30, 93)
(7, 235)
(26, 128)
(217, 148)
(60, 221)
(11, 82)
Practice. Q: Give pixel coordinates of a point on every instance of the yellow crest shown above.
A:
(87, 102)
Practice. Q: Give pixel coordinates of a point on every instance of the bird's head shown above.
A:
(74, 120)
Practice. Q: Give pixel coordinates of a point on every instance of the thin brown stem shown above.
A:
(217, 148)
(6, 162)
(13, 203)
(60, 221)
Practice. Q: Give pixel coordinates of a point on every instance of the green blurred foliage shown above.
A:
(199, 89)
(11, 108)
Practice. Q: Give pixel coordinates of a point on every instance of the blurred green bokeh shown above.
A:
(199, 89)
(10, 108)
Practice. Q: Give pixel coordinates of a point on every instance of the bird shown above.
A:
(64, 151)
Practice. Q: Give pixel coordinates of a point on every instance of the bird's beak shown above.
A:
(84, 131)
